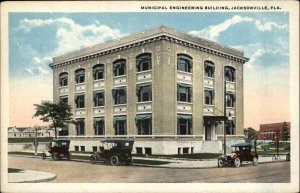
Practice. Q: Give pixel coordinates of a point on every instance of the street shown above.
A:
(84, 172)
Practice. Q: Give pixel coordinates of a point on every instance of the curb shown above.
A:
(51, 177)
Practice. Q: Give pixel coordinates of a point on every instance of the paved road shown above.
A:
(75, 172)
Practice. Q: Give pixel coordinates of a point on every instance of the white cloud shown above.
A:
(253, 58)
(72, 36)
(39, 66)
(213, 32)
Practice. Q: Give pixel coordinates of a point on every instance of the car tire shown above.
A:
(43, 156)
(255, 161)
(93, 159)
(220, 163)
(237, 162)
(114, 160)
(55, 156)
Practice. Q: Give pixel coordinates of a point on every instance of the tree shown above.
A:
(286, 132)
(251, 134)
(59, 114)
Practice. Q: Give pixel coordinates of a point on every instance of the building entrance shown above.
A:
(210, 130)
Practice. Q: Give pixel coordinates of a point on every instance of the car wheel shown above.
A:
(114, 160)
(93, 159)
(220, 163)
(55, 156)
(43, 156)
(237, 162)
(254, 161)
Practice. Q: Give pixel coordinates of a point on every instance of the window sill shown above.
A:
(116, 105)
(212, 78)
(98, 80)
(145, 71)
(82, 83)
(183, 102)
(121, 76)
(143, 102)
(184, 72)
(63, 86)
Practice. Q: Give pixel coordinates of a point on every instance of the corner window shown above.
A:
(144, 124)
(184, 124)
(229, 74)
(144, 92)
(209, 97)
(230, 127)
(230, 99)
(79, 101)
(63, 99)
(184, 63)
(80, 126)
(64, 131)
(63, 79)
(143, 62)
(98, 72)
(79, 76)
(120, 125)
(99, 98)
(99, 126)
(184, 93)
(119, 95)
(209, 69)
(119, 67)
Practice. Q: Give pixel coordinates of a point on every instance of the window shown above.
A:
(82, 148)
(144, 92)
(63, 79)
(184, 63)
(99, 126)
(64, 99)
(184, 93)
(139, 150)
(79, 76)
(98, 72)
(230, 100)
(99, 98)
(229, 73)
(230, 127)
(64, 131)
(76, 148)
(144, 124)
(185, 150)
(209, 96)
(209, 69)
(120, 125)
(94, 148)
(119, 67)
(184, 124)
(119, 95)
(143, 62)
(148, 150)
(79, 100)
(179, 150)
(80, 126)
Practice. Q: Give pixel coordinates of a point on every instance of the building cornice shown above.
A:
(177, 39)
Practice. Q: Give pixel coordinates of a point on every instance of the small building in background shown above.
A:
(29, 132)
(271, 130)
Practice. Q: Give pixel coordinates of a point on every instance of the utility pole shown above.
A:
(224, 115)
(35, 140)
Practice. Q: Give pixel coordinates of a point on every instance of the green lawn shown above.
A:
(14, 170)
(29, 140)
(187, 156)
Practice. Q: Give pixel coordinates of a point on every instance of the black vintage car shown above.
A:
(58, 149)
(241, 152)
(113, 152)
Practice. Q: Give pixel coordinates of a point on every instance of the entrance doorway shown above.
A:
(210, 130)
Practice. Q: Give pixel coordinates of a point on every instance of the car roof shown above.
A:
(241, 145)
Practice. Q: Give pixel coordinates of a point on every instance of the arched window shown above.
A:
(63, 79)
(209, 69)
(143, 62)
(79, 75)
(229, 74)
(98, 72)
(119, 67)
(184, 63)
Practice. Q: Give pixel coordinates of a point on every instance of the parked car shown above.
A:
(113, 152)
(58, 149)
(241, 152)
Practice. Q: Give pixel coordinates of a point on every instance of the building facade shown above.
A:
(29, 132)
(271, 131)
(163, 88)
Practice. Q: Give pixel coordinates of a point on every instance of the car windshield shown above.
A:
(108, 145)
(233, 149)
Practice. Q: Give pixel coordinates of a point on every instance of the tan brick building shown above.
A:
(271, 131)
(161, 87)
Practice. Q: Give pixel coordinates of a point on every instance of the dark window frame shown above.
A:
(120, 125)
(99, 126)
(144, 93)
(184, 126)
(119, 67)
(98, 72)
(185, 96)
(143, 62)
(119, 96)
(144, 127)
(229, 73)
(209, 69)
(80, 76)
(99, 98)
(80, 101)
(184, 63)
(209, 93)
(80, 126)
(63, 79)
(64, 99)
(230, 100)
(230, 127)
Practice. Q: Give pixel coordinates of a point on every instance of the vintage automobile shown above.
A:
(241, 152)
(113, 152)
(58, 149)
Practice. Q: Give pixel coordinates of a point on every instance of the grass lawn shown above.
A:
(187, 156)
(14, 170)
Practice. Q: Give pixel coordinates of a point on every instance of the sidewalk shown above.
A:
(30, 176)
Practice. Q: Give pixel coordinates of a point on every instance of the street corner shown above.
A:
(29, 176)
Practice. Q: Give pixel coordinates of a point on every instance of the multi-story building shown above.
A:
(163, 88)
(271, 131)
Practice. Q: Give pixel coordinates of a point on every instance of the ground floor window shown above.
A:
(120, 125)
(82, 148)
(76, 148)
(144, 124)
(94, 148)
(99, 128)
(148, 150)
(64, 131)
(184, 124)
(139, 150)
(185, 150)
(63, 99)
(230, 127)
(80, 126)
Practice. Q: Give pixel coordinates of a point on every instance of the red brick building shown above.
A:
(269, 131)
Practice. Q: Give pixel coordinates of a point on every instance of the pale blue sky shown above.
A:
(264, 37)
